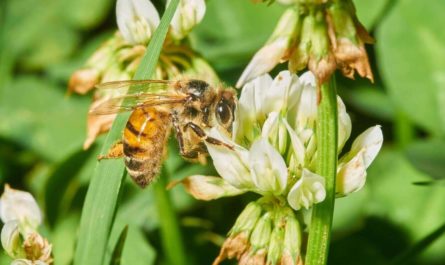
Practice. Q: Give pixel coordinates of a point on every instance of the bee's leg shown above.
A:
(202, 134)
(191, 154)
(116, 151)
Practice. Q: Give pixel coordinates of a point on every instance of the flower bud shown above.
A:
(260, 237)
(348, 37)
(248, 218)
(254, 257)
(292, 239)
(321, 60)
(300, 55)
(11, 239)
(21, 206)
(275, 249)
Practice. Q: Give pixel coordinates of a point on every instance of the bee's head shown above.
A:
(225, 108)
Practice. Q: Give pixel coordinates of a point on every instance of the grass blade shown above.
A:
(119, 248)
(410, 254)
(102, 196)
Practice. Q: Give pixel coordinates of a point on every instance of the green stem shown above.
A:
(170, 230)
(320, 229)
(404, 130)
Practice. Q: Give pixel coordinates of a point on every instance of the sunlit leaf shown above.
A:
(369, 11)
(428, 157)
(35, 114)
(410, 48)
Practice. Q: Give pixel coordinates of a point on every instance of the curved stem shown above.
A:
(320, 229)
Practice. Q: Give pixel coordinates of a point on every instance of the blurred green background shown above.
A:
(42, 130)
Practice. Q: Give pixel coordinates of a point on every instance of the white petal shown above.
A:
(344, 124)
(10, 237)
(297, 145)
(308, 190)
(209, 188)
(351, 176)
(270, 126)
(232, 165)
(284, 86)
(269, 171)
(307, 107)
(249, 111)
(308, 78)
(188, 14)
(264, 60)
(136, 20)
(370, 141)
(21, 206)
(351, 172)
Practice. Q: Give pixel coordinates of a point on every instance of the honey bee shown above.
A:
(189, 107)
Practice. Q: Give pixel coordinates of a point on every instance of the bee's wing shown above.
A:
(130, 102)
(137, 86)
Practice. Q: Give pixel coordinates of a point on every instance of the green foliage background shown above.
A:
(42, 130)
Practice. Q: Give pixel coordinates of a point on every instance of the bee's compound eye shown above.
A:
(224, 113)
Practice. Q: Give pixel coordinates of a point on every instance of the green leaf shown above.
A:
(428, 156)
(137, 251)
(410, 254)
(35, 113)
(369, 11)
(102, 196)
(64, 181)
(410, 49)
(389, 214)
(41, 37)
(233, 30)
(63, 238)
(370, 100)
(85, 14)
(118, 249)
(411, 208)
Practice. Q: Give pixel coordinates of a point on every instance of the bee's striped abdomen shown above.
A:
(144, 140)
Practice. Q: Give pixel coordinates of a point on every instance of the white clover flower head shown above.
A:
(188, 14)
(274, 154)
(136, 20)
(275, 146)
(20, 206)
